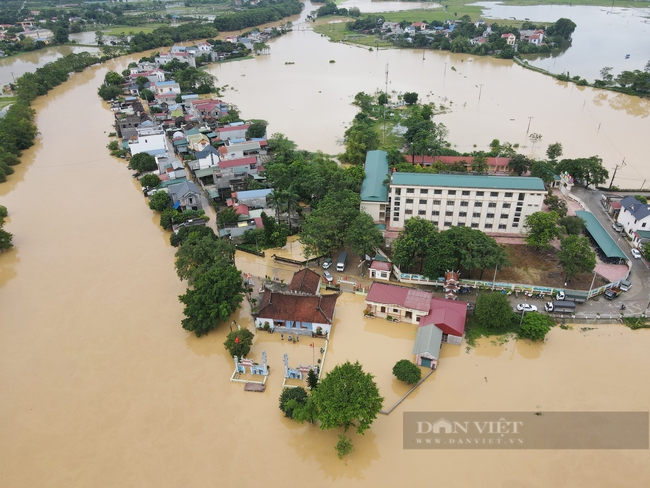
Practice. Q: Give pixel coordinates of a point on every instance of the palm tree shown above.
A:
(291, 199)
(277, 199)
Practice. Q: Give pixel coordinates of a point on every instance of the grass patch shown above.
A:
(4, 101)
(128, 30)
(635, 323)
(475, 331)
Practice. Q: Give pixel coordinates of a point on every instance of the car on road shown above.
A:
(526, 307)
(617, 227)
(328, 276)
(560, 295)
(327, 263)
(636, 253)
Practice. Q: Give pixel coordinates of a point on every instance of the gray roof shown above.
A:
(638, 210)
(206, 152)
(182, 189)
(254, 193)
(373, 188)
(469, 181)
(428, 340)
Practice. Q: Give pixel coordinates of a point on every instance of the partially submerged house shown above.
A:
(185, 195)
(400, 302)
(427, 346)
(290, 312)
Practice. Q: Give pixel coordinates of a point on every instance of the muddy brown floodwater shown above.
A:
(102, 387)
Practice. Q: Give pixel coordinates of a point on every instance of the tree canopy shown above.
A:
(347, 397)
(576, 256)
(542, 228)
(143, 162)
(535, 326)
(494, 312)
(238, 342)
(405, 370)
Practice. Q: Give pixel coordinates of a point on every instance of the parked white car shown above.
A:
(526, 307)
(327, 263)
(636, 254)
(328, 276)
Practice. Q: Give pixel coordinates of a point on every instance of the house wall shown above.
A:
(630, 224)
(311, 326)
(380, 275)
(452, 339)
(153, 144)
(496, 210)
(418, 360)
(226, 135)
(258, 202)
(377, 210)
(396, 311)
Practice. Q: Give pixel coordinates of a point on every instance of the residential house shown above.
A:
(374, 188)
(253, 198)
(151, 139)
(400, 302)
(305, 281)
(166, 87)
(207, 158)
(419, 26)
(171, 168)
(533, 36)
(242, 149)
(427, 346)
(510, 38)
(185, 195)
(634, 216)
(236, 130)
(153, 76)
(380, 270)
(204, 47)
(127, 123)
(208, 111)
(164, 58)
(489, 203)
(197, 142)
(450, 317)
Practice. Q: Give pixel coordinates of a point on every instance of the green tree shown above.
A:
(216, 294)
(303, 413)
(382, 99)
(159, 201)
(256, 130)
(344, 446)
(556, 205)
(554, 151)
(99, 38)
(410, 98)
(227, 216)
(575, 256)
(535, 326)
(572, 225)
(542, 170)
(542, 228)
(3, 214)
(239, 342)
(199, 252)
(641, 199)
(109, 92)
(493, 311)
(178, 238)
(479, 163)
(312, 379)
(298, 395)
(519, 164)
(347, 397)
(113, 78)
(413, 242)
(147, 95)
(363, 236)
(5, 240)
(405, 370)
(143, 162)
(113, 146)
(151, 181)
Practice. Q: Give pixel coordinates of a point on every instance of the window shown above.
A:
(504, 216)
(436, 202)
(396, 214)
(436, 212)
(478, 204)
(423, 201)
(408, 212)
(450, 202)
(410, 190)
(502, 226)
(384, 274)
(409, 200)
(515, 225)
(508, 195)
(397, 199)
(476, 214)
(480, 193)
(422, 212)
(398, 191)
(461, 224)
(382, 309)
(464, 204)
(522, 196)
(462, 214)
(474, 225)
(396, 205)
(449, 214)
(490, 216)
(435, 222)
(424, 192)
(506, 205)
(447, 224)
(515, 220)
(395, 219)
(494, 193)
(488, 226)
(465, 193)
(492, 204)
(437, 192)
(451, 192)
(396, 310)
(517, 214)
(643, 225)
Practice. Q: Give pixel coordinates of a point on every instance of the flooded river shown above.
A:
(102, 387)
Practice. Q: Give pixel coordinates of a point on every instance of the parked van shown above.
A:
(625, 285)
(562, 306)
(342, 261)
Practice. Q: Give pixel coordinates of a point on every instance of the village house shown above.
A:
(238, 150)
(170, 168)
(150, 139)
(164, 58)
(305, 281)
(634, 216)
(207, 158)
(236, 130)
(253, 198)
(398, 302)
(185, 196)
(510, 38)
(380, 270)
(166, 87)
(532, 36)
(426, 349)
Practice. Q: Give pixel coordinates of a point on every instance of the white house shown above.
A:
(166, 87)
(236, 130)
(634, 215)
(151, 139)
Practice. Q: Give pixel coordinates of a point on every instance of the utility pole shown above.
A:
(386, 93)
(528, 129)
(480, 89)
(615, 170)
(445, 70)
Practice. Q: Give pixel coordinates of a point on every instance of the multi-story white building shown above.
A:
(493, 204)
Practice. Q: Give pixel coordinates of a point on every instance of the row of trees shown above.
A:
(330, 8)
(346, 398)
(421, 247)
(5, 237)
(261, 13)
(168, 36)
(635, 82)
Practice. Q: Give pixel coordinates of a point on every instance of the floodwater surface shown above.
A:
(102, 387)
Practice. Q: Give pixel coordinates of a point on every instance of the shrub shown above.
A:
(344, 446)
(298, 394)
(406, 371)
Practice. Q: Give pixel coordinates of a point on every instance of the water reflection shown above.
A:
(529, 349)
(8, 262)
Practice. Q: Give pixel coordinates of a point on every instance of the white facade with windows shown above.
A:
(492, 204)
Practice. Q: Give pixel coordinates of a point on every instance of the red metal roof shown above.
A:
(380, 266)
(258, 222)
(241, 209)
(448, 315)
(231, 163)
(232, 128)
(615, 205)
(305, 281)
(411, 298)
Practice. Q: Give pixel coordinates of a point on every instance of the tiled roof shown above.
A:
(305, 281)
(448, 315)
(380, 266)
(231, 163)
(300, 308)
(411, 298)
